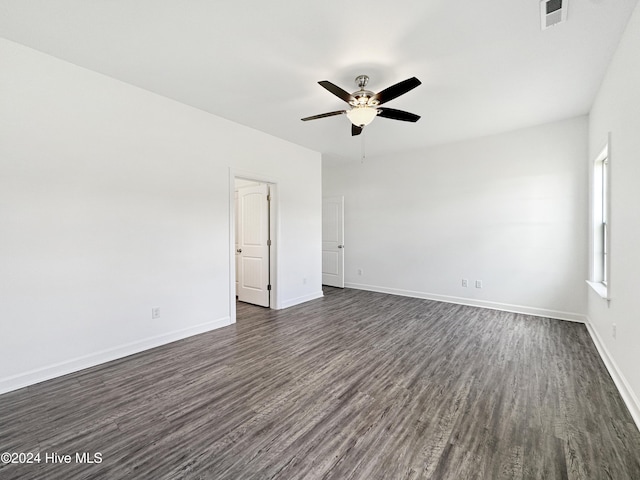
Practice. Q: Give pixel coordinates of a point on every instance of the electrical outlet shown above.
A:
(478, 283)
(614, 328)
(465, 282)
(155, 312)
(304, 281)
(359, 271)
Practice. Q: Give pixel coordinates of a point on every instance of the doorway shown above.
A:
(252, 242)
(333, 241)
(256, 266)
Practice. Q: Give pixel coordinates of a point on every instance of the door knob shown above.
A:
(239, 250)
(340, 246)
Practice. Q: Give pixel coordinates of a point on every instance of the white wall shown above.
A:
(114, 200)
(617, 110)
(510, 210)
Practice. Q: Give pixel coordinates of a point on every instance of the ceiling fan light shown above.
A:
(361, 116)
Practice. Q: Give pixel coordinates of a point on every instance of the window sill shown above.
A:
(599, 288)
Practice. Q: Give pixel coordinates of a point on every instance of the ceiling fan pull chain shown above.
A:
(363, 149)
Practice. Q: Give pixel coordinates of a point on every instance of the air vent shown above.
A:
(553, 12)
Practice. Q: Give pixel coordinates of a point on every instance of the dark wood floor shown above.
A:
(356, 385)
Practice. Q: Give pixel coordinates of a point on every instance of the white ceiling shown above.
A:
(485, 67)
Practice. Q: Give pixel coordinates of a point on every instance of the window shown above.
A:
(604, 206)
(600, 224)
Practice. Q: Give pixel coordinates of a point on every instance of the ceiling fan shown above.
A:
(365, 105)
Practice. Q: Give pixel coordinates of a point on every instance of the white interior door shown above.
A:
(333, 241)
(252, 252)
(237, 236)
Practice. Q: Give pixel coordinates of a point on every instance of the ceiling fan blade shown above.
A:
(355, 130)
(397, 114)
(336, 90)
(322, 115)
(394, 91)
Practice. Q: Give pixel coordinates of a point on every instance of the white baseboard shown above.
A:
(538, 312)
(627, 394)
(299, 300)
(73, 365)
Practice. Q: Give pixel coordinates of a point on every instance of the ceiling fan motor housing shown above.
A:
(362, 97)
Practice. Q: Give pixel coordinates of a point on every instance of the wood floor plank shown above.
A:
(356, 385)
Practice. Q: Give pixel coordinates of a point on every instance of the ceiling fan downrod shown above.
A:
(361, 81)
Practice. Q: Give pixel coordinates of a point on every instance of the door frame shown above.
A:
(274, 228)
